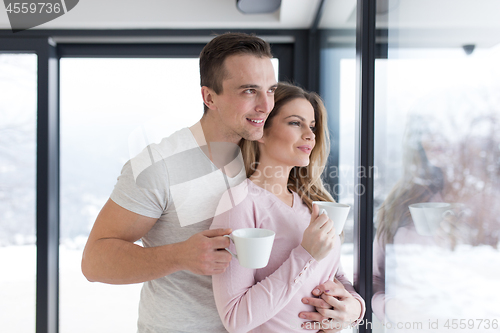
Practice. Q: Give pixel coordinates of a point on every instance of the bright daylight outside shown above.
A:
(112, 108)
(18, 92)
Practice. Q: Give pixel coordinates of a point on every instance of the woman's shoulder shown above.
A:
(236, 207)
(240, 198)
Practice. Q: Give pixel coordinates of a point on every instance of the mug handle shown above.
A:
(233, 254)
(448, 213)
(323, 211)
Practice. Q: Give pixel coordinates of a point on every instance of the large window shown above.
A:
(338, 88)
(338, 91)
(436, 146)
(18, 91)
(437, 113)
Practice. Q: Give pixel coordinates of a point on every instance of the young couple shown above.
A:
(168, 197)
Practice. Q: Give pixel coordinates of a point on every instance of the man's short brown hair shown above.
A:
(213, 55)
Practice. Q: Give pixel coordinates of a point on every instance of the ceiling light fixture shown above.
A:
(258, 6)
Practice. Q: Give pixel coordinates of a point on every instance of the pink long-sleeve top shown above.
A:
(269, 299)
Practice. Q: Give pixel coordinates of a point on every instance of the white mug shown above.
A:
(337, 212)
(427, 216)
(253, 246)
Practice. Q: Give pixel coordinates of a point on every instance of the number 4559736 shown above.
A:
(463, 324)
(32, 8)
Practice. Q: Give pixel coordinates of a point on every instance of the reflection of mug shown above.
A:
(427, 216)
(253, 246)
(336, 212)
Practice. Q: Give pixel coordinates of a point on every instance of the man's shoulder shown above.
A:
(176, 142)
(151, 160)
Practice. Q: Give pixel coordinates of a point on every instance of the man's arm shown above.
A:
(110, 255)
(337, 305)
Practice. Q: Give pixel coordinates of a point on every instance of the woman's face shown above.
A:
(289, 139)
(436, 149)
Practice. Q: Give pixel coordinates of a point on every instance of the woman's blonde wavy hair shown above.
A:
(419, 183)
(305, 181)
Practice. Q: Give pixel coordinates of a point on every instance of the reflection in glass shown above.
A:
(436, 254)
(18, 98)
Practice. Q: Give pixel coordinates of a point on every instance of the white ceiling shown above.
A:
(426, 21)
(177, 14)
(293, 14)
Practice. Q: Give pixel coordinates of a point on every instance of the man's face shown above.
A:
(246, 99)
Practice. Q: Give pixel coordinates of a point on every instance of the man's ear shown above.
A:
(208, 97)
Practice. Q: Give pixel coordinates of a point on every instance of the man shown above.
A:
(168, 194)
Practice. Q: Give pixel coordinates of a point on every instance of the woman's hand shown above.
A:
(336, 308)
(319, 237)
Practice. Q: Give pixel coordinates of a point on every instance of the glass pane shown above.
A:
(338, 91)
(110, 110)
(338, 87)
(18, 107)
(346, 170)
(437, 118)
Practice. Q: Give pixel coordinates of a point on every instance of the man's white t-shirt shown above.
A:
(175, 182)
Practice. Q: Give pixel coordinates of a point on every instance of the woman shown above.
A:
(284, 169)
(421, 181)
(449, 155)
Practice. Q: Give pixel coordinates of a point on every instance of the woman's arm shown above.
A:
(337, 304)
(244, 304)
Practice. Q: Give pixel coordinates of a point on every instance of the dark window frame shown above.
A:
(364, 156)
(47, 177)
